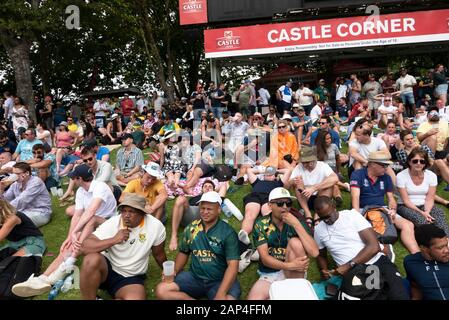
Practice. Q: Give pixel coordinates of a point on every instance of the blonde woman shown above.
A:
(23, 235)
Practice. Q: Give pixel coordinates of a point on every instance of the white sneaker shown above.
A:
(243, 236)
(34, 286)
(60, 273)
(255, 256)
(245, 260)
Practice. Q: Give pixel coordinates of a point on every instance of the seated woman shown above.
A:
(187, 118)
(23, 235)
(65, 140)
(284, 149)
(170, 159)
(390, 137)
(111, 134)
(417, 188)
(329, 153)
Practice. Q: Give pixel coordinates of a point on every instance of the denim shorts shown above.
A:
(408, 97)
(198, 288)
(70, 158)
(34, 246)
(441, 89)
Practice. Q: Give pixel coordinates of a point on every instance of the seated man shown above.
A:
(284, 244)
(43, 165)
(28, 195)
(428, 270)
(6, 145)
(311, 178)
(93, 205)
(215, 256)
(257, 201)
(283, 147)
(370, 185)
(24, 149)
(325, 123)
(186, 210)
(129, 161)
(151, 188)
(117, 253)
(6, 166)
(351, 241)
(434, 133)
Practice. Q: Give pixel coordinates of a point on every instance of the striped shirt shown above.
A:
(126, 161)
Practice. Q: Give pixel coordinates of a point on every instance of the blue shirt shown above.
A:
(25, 149)
(9, 146)
(431, 277)
(371, 193)
(101, 152)
(334, 135)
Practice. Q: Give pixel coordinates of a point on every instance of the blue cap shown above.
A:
(81, 171)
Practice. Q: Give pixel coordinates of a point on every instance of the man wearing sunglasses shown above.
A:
(43, 165)
(387, 111)
(324, 125)
(351, 242)
(370, 185)
(284, 243)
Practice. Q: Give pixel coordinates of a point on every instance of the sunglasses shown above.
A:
(421, 161)
(383, 165)
(88, 159)
(37, 152)
(387, 100)
(280, 204)
(323, 122)
(281, 127)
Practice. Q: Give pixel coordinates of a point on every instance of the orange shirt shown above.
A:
(282, 145)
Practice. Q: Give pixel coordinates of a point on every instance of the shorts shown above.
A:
(441, 154)
(271, 276)
(34, 246)
(407, 97)
(198, 288)
(190, 214)
(114, 281)
(310, 202)
(440, 89)
(373, 104)
(256, 197)
(39, 219)
(70, 158)
(208, 170)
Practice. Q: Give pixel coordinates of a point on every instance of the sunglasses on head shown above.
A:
(421, 161)
(280, 204)
(88, 159)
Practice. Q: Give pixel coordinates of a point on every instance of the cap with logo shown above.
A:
(279, 193)
(210, 196)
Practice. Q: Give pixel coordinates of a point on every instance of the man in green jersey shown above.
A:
(214, 248)
(283, 242)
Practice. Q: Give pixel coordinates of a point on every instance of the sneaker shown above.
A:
(245, 260)
(60, 273)
(389, 252)
(243, 236)
(34, 286)
(255, 255)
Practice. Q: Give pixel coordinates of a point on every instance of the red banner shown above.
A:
(192, 11)
(365, 31)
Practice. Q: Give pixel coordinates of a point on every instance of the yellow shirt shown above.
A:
(442, 135)
(150, 193)
(72, 127)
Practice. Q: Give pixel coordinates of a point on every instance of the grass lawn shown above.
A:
(56, 231)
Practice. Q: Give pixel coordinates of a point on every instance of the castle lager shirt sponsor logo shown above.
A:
(228, 41)
(389, 29)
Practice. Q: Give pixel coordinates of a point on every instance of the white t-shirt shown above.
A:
(342, 90)
(130, 258)
(315, 113)
(416, 194)
(444, 113)
(402, 81)
(304, 100)
(322, 171)
(364, 150)
(101, 190)
(386, 109)
(286, 93)
(100, 108)
(342, 239)
(264, 96)
(45, 136)
(141, 103)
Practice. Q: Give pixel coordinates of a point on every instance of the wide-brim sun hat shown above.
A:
(134, 201)
(380, 157)
(153, 169)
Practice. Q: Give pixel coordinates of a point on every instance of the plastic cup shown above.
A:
(169, 270)
(60, 192)
(54, 191)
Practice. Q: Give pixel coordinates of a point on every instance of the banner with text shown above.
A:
(364, 31)
(192, 11)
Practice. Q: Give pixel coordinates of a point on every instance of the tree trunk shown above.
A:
(18, 51)
(44, 63)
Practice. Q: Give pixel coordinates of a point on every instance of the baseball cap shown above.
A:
(286, 117)
(328, 110)
(295, 105)
(63, 123)
(81, 171)
(279, 193)
(211, 196)
(270, 171)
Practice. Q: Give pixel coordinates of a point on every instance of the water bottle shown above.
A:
(55, 289)
(226, 210)
(68, 283)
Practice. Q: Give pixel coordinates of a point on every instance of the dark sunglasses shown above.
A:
(280, 204)
(37, 152)
(421, 161)
(387, 99)
(323, 122)
(88, 159)
(281, 127)
(384, 165)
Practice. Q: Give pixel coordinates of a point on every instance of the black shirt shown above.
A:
(25, 229)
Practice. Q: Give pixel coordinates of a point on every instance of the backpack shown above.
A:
(223, 172)
(354, 285)
(14, 269)
(382, 224)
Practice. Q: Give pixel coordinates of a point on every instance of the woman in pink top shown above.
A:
(390, 137)
(64, 141)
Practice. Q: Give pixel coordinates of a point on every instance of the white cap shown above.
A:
(287, 117)
(279, 193)
(153, 169)
(211, 196)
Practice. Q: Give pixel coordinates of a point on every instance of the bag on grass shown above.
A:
(223, 172)
(382, 224)
(354, 285)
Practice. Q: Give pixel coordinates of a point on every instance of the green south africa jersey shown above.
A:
(210, 250)
(265, 231)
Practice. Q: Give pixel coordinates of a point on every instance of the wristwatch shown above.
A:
(352, 263)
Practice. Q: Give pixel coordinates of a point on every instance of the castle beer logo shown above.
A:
(191, 6)
(228, 41)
